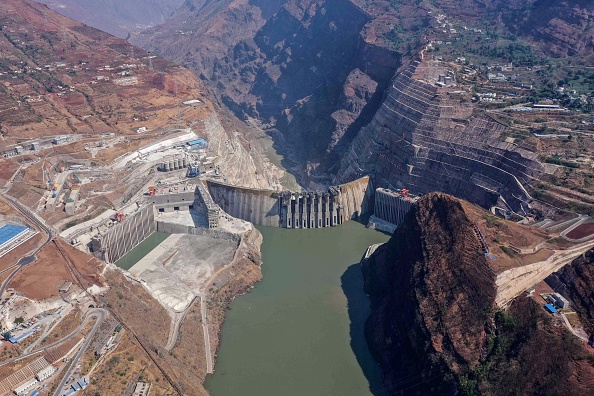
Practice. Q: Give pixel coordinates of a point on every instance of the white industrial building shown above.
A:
(26, 386)
(46, 373)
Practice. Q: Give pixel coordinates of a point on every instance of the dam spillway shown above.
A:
(317, 209)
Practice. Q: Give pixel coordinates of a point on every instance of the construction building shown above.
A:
(46, 373)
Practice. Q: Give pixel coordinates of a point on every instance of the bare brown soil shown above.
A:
(88, 267)
(499, 234)
(581, 231)
(7, 169)
(135, 306)
(42, 279)
(124, 366)
(12, 257)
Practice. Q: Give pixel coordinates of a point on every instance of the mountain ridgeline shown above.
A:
(341, 88)
(434, 328)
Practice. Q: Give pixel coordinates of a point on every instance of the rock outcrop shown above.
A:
(433, 326)
(432, 295)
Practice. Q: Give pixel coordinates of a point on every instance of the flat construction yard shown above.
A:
(581, 231)
(177, 269)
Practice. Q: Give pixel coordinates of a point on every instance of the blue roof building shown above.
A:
(199, 143)
(551, 308)
(8, 232)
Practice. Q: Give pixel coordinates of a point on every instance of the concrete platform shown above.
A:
(178, 269)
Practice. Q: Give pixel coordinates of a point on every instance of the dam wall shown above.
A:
(122, 238)
(392, 206)
(316, 209)
(257, 206)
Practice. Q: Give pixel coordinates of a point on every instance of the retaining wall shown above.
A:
(122, 238)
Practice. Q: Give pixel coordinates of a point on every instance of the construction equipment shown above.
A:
(404, 192)
(193, 170)
(152, 190)
(119, 217)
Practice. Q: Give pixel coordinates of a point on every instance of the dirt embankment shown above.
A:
(434, 328)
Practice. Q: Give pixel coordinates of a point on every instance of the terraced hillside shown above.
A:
(428, 138)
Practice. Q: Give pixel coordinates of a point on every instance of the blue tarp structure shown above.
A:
(550, 308)
(9, 231)
(198, 142)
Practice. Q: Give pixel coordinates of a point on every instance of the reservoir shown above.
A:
(300, 331)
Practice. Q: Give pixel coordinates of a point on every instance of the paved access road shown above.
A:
(101, 314)
(98, 312)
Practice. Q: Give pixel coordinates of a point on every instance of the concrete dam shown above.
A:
(122, 238)
(317, 209)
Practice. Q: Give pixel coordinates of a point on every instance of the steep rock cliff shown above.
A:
(433, 328)
(202, 31)
(314, 70)
(427, 138)
(432, 295)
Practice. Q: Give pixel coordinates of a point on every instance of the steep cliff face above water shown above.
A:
(432, 294)
(433, 327)
(427, 138)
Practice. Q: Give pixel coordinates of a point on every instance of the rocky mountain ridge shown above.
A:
(315, 73)
(434, 329)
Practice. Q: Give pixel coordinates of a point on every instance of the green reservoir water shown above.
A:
(300, 331)
(143, 248)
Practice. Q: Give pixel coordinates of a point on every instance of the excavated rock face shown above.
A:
(432, 294)
(575, 282)
(425, 139)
